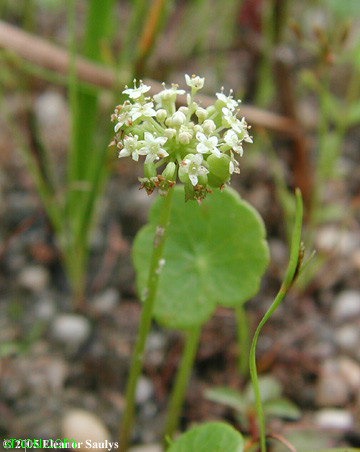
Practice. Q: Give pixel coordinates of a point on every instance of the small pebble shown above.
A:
(147, 448)
(45, 308)
(350, 371)
(331, 389)
(334, 419)
(106, 301)
(71, 329)
(88, 431)
(144, 390)
(34, 278)
(348, 337)
(347, 305)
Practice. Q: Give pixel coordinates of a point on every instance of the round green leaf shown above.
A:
(215, 254)
(211, 437)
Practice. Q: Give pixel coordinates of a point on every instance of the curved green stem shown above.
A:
(291, 274)
(243, 340)
(182, 378)
(145, 320)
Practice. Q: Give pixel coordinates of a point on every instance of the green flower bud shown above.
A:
(161, 115)
(183, 176)
(203, 179)
(169, 172)
(202, 114)
(209, 126)
(178, 119)
(220, 166)
(169, 133)
(149, 170)
(185, 137)
(184, 110)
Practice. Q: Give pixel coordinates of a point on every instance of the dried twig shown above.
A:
(52, 57)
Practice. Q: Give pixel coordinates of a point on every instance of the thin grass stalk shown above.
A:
(149, 298)
(291, 274)
(156, 17)
(265, 89)
(127, 55)
(181, 382)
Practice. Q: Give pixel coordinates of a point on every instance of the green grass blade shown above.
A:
(291, 273)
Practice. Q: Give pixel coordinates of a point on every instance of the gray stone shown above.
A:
(71, 329)
(34, 278)
(347, 305)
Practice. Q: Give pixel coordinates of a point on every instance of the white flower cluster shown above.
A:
(196, 145)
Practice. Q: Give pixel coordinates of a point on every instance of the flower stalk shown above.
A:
(179, 388)
(149, 297)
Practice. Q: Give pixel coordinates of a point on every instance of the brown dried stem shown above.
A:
(46, 55)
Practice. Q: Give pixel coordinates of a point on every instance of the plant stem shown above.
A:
(145, 320)
(243, 340)
(182, 377)
(291, 274)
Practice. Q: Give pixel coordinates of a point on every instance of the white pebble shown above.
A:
(147, 448)
(87, 430)
(34, 278)
(107, 301)
(144, 390)
(334, 419)
(347, 305)
(71, 329)
(348, 337)
(350, 372)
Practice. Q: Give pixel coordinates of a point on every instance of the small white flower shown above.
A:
(153, 147)
(139, 110)
(230, 103)
(168, 95)
(233, 122)
(233, 164)
(135, 93)
(123, 117)
(232, 139)
(194, 81)
(192, 165)
(130, 147)
(207, 144)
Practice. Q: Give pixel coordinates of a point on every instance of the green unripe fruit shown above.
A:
(183, 176)
(150, 170)
(214, 181)
(189, 192)
(169, 172)
(202, 179)
(220, 166)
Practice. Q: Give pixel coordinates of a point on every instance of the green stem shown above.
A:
(145, 320)
(243, 340)
(291, 274)
(182, 378)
